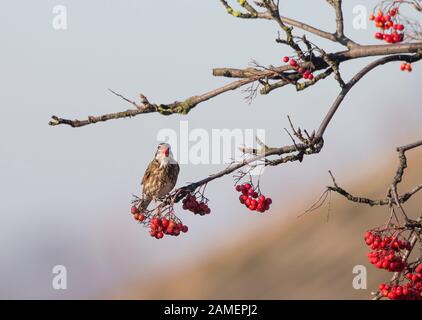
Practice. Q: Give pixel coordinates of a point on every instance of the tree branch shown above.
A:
(315, 144)
(392, 196)
(176, 107)
(251, 75)
(289, 21)
(355, 79)
(339, 34)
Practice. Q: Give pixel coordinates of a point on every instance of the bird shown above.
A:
(160, 177)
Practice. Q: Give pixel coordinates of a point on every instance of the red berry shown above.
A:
(185, 229)
(388, 25)
(373, 260)
(165, 222)
(391, 295)
(385, 264)
(293, 63)
(286, 59)
(134, 210)
(156, 221)
(247, 186)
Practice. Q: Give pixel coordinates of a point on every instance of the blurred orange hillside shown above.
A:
(304, 258)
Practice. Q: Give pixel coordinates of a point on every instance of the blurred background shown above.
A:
(65, 193)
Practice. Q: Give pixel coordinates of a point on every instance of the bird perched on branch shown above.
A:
(160, 177)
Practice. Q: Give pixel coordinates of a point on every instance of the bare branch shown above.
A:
(176, 107)
(296, 151)
(392, 195)
(339, 34)
(355, 79)
(253, 14)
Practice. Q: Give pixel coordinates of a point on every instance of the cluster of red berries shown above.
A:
(137, 215)
(306, 74)
(191, 203)
(406, 67)
(387, 260)
(386, 254)
(389, 26)
(411, 290)
(376, 241)
(161, 226)
(251, 199)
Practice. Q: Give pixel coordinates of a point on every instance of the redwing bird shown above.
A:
(160, 177)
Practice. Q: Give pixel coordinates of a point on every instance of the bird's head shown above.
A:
(164, 154)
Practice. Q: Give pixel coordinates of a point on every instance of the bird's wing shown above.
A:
(177, 170)
(173, 174)
(150, 169)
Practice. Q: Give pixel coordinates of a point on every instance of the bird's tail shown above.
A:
(145, 203)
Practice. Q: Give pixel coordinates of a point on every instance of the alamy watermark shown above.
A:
(199, 146)
(59, 21)
(360, 280)
(60, 277)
